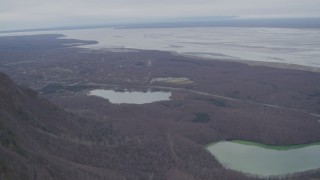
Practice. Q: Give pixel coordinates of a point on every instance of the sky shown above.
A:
(25, 14)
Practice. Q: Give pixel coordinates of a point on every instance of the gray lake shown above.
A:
(131, 97)
(264, 160)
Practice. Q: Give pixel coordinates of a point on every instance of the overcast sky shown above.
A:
(21, 14)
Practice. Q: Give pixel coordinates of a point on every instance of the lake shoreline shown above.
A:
(267, 146)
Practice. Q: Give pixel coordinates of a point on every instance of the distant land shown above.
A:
(220, 21)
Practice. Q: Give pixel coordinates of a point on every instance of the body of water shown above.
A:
(264, 160)
(131, 97)
(284, 45)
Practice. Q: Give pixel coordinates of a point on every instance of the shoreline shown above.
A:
(88, 46)
(277, 65)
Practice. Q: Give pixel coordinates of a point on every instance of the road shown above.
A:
(211, 95)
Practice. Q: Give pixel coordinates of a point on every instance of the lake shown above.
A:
(131, 97)
(264, 160)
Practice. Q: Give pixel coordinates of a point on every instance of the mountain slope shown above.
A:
(37, 137)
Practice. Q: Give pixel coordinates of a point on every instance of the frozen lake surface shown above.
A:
(289, 46)
(131, 97)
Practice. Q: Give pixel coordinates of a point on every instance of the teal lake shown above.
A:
(264, 160)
